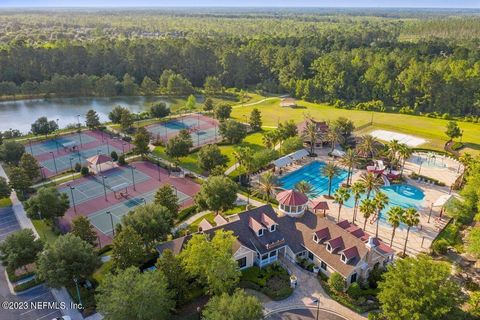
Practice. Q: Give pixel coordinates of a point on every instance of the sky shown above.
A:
(244, 3)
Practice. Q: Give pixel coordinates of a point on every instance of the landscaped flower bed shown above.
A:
(273, 281)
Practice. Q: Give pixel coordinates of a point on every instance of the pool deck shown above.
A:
(419, 240)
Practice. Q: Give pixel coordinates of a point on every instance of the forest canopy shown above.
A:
(370, 59)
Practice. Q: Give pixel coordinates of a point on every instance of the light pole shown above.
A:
(73, 198)
(123, 147)
(108, 147)
(133, 178)
(158, 170)
(104, 188)
(317, 301)
(111, 221)
(71, 168)
(176, 191)
(78, 291)
(42, 173)
(54, 162)
(79, 130)
(420, 168)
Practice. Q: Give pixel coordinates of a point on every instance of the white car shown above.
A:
(63, 318)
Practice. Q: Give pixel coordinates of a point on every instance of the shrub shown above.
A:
(121, 160)
(440, 246)
(27, 285)
(337, 282)
(354, 291)
(187, 212)
(78, 167)
(85, 171)
(114, 155)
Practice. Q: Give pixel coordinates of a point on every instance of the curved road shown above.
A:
(304, 314)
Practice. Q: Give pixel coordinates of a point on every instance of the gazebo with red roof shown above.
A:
(97, 163)
(292, 203)
(319, 204)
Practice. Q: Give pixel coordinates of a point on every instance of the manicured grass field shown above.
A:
(431, 129)
(211, 216)
(190, 162)
(44, 231)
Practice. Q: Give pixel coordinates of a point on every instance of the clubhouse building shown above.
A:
(263, 237)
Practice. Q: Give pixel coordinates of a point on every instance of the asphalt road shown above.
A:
(32, 298)
(304, 314)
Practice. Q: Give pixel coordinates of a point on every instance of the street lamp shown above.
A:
(108, 147)
(78, 291)
(71, 168)
(123, 147)
(42, 173)
(420, 168)
(79, 130)
(317, 301)
(54, 162)
(73, 198)
(111, 221)
(104, 187)
(133, 177)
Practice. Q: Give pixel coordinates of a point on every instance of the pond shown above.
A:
(21, 114)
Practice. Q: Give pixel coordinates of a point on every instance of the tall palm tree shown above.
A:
(411, 218)
(392, 153)
(267, 184)
(349, 160)
(304, 187)
(394, 217)
(369, 146)
(371, 182)
(367, 208)
(404, 152)
(311, 133)
(381, 201)
(330, 170)
(334, 137)
(358, 188)
(243, 156)
(341, 196)
(270, 139)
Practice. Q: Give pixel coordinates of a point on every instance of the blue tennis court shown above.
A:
(91, 187)
(56, 144)
(103, 221)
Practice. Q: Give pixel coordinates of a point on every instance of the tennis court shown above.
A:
(59, 143)
(103, 221)
(92, 186)
(203, 130)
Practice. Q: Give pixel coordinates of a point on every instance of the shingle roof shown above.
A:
(204, 225)
(219, 220)
(292, 198)
(323, 234)
(350, 253)
(336, 243)
(318, 204)
(255, 225)
(267, 221)
(344, 224)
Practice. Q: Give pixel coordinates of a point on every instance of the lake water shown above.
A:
(21, 114)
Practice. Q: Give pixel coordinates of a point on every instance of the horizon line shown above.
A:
(221, 7)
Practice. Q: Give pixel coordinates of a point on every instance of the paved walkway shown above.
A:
(189, 221)
(308, 288)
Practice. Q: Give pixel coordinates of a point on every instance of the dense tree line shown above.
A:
(350, 62)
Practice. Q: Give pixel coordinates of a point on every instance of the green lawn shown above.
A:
(211, 215)
(44, 231)
(190, 162)
(429, 128)
(5, 202)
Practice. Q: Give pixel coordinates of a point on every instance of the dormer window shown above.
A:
(343, 258)
(260, 232)
(329, 247)
(273, 227)
(315, 238)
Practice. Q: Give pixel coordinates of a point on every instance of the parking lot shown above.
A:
(8, 225)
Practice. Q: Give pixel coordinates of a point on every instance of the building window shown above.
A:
(353, 278)
(273, 227)
(344, 259)
(273, 253)
(310, 255)
(329, 247)
(242, 263)
(323, 265)
(264, 257)
(315, 238)
(260, 232)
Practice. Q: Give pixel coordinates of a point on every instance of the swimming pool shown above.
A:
(402, 195)
(312, 173)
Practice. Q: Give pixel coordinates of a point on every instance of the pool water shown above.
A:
(312, 173)
(402, 195)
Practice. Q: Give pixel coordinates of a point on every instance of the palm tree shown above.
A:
(334, 137)
(369, 146)
(270, 139)
(341, 196)
(358, 188)
(349, 160)
(411, 218)
(311, 132)
(381, 200)
(395, 216)
(267, 184)
(304, 187)
(371, 182)
(367, 208)
(404, 152)
(330, 170)
(392, 153)
(243, 156)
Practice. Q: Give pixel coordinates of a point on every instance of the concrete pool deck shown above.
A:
(421, 238)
